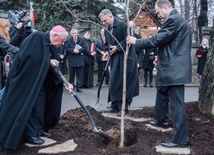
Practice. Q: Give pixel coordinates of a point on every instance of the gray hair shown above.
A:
(161, 3)
(105, 12)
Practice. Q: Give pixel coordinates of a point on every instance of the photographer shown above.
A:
(19, 28)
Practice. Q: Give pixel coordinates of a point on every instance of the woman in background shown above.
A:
(5, 47)
(201, 54)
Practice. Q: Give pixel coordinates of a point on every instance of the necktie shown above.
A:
(75, 40)
(104, 39)
(110, 28)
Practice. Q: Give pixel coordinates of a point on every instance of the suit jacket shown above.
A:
(117, 61)
(75, 59)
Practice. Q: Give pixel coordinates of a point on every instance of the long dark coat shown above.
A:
(88, 78)
(202, 60)
(139, 51)
(26, 77)
(147, 63)
(116, 65)
(61, 50)
(174, 51)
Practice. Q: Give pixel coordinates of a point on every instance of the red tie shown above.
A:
(75, 40)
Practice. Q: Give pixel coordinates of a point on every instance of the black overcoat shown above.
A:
(116, 64)
(26, 77)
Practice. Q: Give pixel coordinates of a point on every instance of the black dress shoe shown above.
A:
(170, 144)
(79, 90)
(151, 85)
(46, 134)
(34, 140)
(164, 125)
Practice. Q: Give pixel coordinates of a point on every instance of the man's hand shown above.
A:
(69, 88)
(19, 25)
(54, 62)
(76, 51)
(105, 56)
(61, 56)
(130, 40)
(113, 49)
(155, 62)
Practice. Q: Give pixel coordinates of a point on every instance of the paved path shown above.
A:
(146, 98)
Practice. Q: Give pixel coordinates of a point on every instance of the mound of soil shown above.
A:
(139, 139)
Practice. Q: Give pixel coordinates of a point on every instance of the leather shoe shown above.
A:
(46, 134)
(79, 90)
(164, 125)
(34, 140)
(170, 144)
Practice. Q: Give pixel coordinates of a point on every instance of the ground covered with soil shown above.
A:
(139, 139)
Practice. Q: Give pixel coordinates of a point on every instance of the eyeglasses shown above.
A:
(62, 40)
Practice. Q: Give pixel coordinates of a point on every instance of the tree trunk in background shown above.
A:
(202, 18)
(206, 90)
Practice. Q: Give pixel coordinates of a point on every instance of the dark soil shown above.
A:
(139, 139)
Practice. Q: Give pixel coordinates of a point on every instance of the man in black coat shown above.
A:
(25, 98)
(174, 50)
(101, 49)
(75, 48)
(118, 29)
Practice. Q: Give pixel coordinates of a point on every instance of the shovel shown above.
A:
(100, 84)
(97, 131)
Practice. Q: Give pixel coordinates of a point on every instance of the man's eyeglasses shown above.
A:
(62, 40)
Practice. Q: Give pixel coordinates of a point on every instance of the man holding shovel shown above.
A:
(33, 88)
(116, 39)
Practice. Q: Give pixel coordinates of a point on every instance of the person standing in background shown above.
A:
(88, 78)
(148, 65)
(75, 48)
(101, 49)
(139, 51)
(62, 58)
(5, 47)
(201, 54)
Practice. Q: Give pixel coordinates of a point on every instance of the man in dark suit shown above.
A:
(75, 48)
(101, 48)
(174, 49)
(118, 29)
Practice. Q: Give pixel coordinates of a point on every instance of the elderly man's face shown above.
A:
(57, 40)
(106, 20)
(74, 34)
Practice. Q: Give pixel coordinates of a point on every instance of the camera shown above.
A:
(15, 17)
